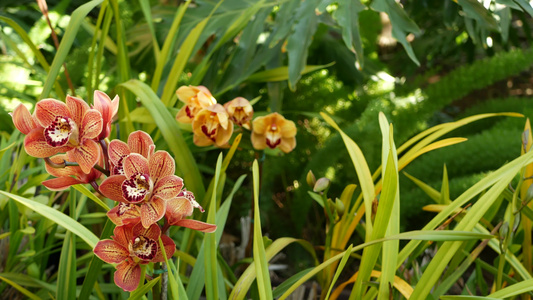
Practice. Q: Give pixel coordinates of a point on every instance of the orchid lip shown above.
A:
(144, 248)
(61, 131)
(136, 188)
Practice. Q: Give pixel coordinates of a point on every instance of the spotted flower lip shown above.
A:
(149, 182)
(240, 111)
(212, 126)
(130, 246)
(108, 109)
(138, 142)
(67, 176)
(69, 127)
(195, 98)
(273, 131)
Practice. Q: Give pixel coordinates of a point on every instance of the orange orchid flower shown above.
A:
(240, 111)
(138, 142)
(67, 176)
(181, 207)
(273, 131)
(69, 127)
(147, 182)
(108, 109)
(195, 98)
(131, 246)
(212, 126)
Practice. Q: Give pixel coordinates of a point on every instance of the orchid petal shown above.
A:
(140, 142)
(287, 128)
(123, 235)
(135, 163)
(111, 251)
(152, 211)
(117, 150)
(152, 232)
(47, 110)
(23, 120)
(287, 144)
(177, 209)
(60, 183)
(196, 225)
(92, 124)
(59, 172)
(258, 141)
(168, 187)
(128, 276)
(77, 107)
(161, 165)
(86, 155)
(111, 187)
(224, 135)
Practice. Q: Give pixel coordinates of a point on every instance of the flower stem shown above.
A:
(55, 165)
(102, 170)
(103, 144)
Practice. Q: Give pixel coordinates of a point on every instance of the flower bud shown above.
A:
(339, 207)
(321, 185)
(311, 180)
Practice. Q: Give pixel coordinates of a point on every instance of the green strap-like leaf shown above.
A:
(261, 262)
(57, 217)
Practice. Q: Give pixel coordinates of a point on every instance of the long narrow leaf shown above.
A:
(57, 217)
(263, 277)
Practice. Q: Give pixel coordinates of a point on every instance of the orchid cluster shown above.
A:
(72, 137)
(213, 123)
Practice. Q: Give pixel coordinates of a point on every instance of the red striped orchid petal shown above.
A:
(169, 247)
(196, 225)
(152, 211)
(60, 183)
(47, 110)
(91, 124)
(86, 155)
(177, 209)
(124, 214)
(168, 187)
(152, 232)
(135, 163)
(111, 187)
(108, 109)
(161, 164)
(117, 150)
(77, 108)
(35, 145)
(141, 142)
(123, 235)
(111, 251)
(128, 275)
(23, 120)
